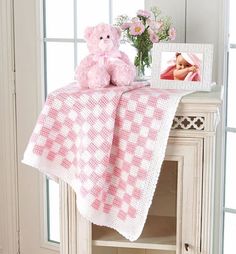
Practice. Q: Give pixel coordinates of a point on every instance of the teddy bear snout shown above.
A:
(106, 44)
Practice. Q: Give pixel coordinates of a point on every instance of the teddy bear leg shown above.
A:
(123, 75)
(98, 77)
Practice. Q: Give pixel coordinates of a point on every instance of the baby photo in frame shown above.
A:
(182, 66)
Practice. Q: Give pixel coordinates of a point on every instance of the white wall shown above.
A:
(196, 21)
(176, 10)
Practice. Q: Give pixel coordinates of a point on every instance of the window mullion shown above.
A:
(75, 34)
(44, 49)
(229, 210)
(62, 40)
(110, 11)
(229, 129)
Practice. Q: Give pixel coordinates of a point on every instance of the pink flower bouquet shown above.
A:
(142, 31)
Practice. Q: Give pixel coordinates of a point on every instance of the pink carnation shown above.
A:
(135, 19)
(172, 33)
(124, 26)
(136, 28)
(150, 31)
(153, 36)
(144, 13)
(155, 25)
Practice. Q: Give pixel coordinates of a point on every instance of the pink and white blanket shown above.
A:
(108, 145)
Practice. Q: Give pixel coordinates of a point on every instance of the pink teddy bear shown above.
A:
(106, 63)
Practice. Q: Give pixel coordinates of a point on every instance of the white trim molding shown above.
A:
(45, 243)
(9, 230)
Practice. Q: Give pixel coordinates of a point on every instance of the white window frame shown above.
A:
(75, 40)
(45, 243)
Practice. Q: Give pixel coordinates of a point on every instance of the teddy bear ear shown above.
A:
(88, 31)
(117, 30)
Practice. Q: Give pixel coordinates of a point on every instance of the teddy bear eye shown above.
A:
(108, 36)
(101, 38)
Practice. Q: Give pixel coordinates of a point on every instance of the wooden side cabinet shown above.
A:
(180, 220)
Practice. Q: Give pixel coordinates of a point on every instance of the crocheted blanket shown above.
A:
(108, 144)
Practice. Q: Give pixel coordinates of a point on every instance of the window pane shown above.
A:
(126, 7)
(60, 64)
(59, 18)
(230, 187)
(232, 21)
(229, 233)
(90, 13)
(231, 115)
(53, 211)
(82, 51)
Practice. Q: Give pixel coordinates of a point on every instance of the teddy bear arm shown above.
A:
(86, 63)
(82, 70)
(122, 73)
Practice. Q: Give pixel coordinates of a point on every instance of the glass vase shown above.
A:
(143, 65)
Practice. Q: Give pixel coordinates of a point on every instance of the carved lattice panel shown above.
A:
(188, 123)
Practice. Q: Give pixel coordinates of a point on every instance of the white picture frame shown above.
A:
(182, 66)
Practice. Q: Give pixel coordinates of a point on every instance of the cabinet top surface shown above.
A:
(215, 96)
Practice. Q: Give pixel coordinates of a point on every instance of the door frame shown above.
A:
(29, 93)
(8, 170)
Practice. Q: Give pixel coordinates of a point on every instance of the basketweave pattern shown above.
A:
(131, 153)
(72, 126)
(102, 144)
